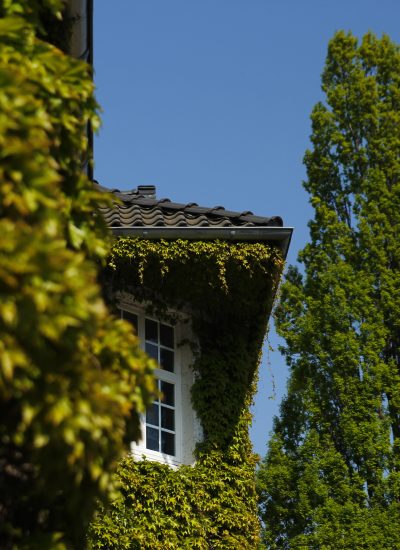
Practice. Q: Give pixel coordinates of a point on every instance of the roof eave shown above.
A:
(280, 236)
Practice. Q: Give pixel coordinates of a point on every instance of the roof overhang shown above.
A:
(279, 236)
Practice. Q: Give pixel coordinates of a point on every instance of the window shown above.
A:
(170, 427)
(160, 418)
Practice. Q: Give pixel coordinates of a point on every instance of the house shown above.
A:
(142, 215)
(171, 428)
(197, 284)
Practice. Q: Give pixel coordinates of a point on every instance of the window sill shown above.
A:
(140, 453)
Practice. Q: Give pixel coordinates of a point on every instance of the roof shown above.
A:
(140, 208)
(140, 214)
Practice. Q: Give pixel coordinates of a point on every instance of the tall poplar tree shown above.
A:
(331, 478)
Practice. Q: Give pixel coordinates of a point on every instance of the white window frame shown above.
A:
(139, 449)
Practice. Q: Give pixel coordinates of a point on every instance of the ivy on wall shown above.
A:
(228, 288)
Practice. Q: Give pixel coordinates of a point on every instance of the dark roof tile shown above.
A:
(140, 208)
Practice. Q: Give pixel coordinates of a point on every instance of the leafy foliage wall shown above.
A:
(228, 288)
(67, 366)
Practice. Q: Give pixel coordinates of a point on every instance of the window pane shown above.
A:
(168, 443)
(132, 318)
(166, 336)
(152, 350)
(168, 393)
(152, 415)
(151, 331)
(167, 359)
(152, 439)
(168, 418)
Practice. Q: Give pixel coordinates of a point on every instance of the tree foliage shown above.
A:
(331, 477)
(72, 378)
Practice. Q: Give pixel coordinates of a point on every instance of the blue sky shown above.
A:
(209, 100)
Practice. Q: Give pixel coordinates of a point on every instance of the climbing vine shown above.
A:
(73, 380)
(228, 288)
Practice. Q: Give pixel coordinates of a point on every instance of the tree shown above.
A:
(331, 478)
(72, 378)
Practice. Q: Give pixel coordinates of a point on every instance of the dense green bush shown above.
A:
(72, 378)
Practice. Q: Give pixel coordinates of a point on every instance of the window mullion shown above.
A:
(159, 427)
